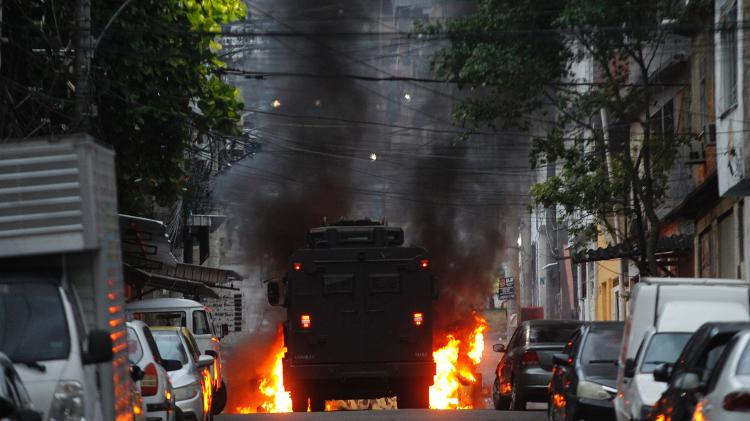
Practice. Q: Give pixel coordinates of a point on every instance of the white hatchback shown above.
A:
(727, 395)
(154, 384)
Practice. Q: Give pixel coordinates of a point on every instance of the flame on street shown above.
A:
(456, 362)
(272, 397)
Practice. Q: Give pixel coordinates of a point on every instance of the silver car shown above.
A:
(727, 392)
(191, 383)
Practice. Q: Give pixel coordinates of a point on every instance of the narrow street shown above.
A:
(410, 415)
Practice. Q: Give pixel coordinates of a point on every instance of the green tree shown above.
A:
(155, 83)
(521, 56)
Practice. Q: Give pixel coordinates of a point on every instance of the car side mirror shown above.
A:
(686, 382)
(212, 353)
(629, 370)
(171, 365)
(29, 415)
(224, 330)
(498, 348)
(205, 361)
(562, 359)
(136, 374)
(662, 372)
(273, 292)
(99, 348)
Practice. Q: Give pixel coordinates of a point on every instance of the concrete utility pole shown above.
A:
(81, 118)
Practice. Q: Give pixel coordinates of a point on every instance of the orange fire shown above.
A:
(455, 365)
(273, 397)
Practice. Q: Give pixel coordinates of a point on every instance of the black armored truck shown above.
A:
(359, 317)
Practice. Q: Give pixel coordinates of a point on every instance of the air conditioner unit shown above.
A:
(709, 134)
(696, 153)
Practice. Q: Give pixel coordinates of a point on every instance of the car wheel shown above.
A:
(219, 401)
(517, 400)
(299, 401)
(498, 401)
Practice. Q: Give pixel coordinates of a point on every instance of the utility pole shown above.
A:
(81, 117)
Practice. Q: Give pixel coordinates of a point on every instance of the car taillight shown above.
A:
(737, 401)
(418, 319)
(150, 381)
(424, 264)
(529, 357)
(305, 321)
(297, 266)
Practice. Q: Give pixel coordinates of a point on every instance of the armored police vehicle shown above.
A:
(359, 317)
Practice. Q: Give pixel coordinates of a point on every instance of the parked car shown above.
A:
(699, 356)
(15, 403)
(198, 319)
(584, 378)
(191, 383)
(154, 382)
(727, 392)
(664, 313)
(524, 371)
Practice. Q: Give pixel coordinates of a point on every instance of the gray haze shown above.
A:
(460, 200)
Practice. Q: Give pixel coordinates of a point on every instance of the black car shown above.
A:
(584, 378)
(15, 404)
(524, 371)
(700, 355)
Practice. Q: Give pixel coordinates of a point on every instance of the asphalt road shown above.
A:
(396, 415)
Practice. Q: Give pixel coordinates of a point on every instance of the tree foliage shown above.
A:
(154, 76)
(526, 59)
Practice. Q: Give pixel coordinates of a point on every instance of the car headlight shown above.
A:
(589, 390)
(186, 392)
(67, 402)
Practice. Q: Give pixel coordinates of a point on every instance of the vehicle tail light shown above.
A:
(529, 357)
(305, 321)
(418, 319)
(150, 381)
(424, 264)
(297, 266)
(737, 401)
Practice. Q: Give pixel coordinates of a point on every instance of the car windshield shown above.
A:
(550, 333)
(602, 345)
(664, 348)
(170, 346)
(32, 322)
(743, 367)
(162, 318)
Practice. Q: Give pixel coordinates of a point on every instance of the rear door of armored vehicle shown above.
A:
(364, 305)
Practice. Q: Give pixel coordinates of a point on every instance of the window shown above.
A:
(743, 366)
(551, 333)
(602, 346)
(728, 63)
(664, 348)
(170, 346)
(200, 323)
(727, 250)
(171, 318)
(705, 254)
(702, 94)
(135, 352)
(33, 325)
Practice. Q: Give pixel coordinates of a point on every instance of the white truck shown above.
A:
(62, 319)
(664, 313)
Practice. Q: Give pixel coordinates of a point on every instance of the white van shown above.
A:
(180, 312)
(664, 312)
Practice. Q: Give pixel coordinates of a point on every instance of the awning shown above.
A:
(212, 222)
(148, 259)
(142, 278)
(676, 244)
